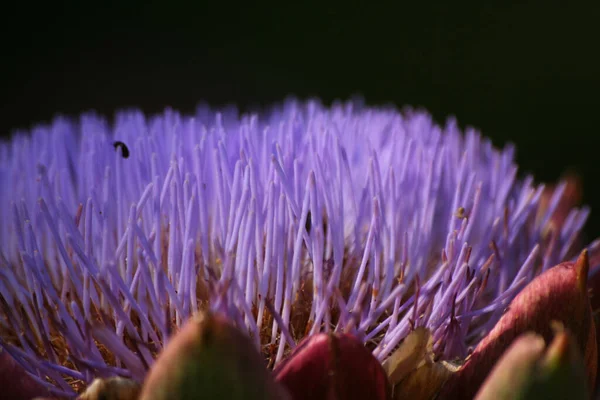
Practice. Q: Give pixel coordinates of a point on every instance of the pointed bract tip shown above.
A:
(582, 268)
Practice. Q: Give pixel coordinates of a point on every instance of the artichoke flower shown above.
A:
(300, 252)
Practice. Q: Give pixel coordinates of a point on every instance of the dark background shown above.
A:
(527, 73)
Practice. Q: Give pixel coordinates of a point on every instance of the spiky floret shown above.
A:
(299, 220)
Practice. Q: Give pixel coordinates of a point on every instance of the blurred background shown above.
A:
(527, 74)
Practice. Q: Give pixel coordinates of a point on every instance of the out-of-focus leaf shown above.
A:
(209, 358)
(115, 388)
(515, 370)
(528, 371)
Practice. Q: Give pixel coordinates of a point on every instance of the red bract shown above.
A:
(333, 367)
(594, 289)
(15, 384)
(559, 294)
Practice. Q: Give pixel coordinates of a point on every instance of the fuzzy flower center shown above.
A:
(300, 220)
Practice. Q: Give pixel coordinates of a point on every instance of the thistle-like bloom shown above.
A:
(296, 221)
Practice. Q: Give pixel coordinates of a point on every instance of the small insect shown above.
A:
(124, 149)
(460, 213)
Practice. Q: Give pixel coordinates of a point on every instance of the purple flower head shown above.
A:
(300, 220)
